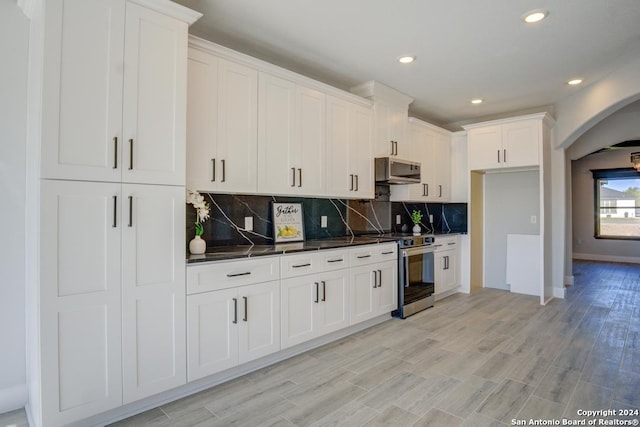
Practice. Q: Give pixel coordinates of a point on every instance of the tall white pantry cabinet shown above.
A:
(112, 269)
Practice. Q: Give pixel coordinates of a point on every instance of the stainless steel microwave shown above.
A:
(396, 171)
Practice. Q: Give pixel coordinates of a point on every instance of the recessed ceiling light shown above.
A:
(535, 16)
(574, 82)
(477, 101)
(406, 59)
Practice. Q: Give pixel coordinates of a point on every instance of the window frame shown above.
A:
(599, 174)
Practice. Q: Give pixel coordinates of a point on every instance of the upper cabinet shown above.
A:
(291, 137)
(509, 143)
(431, 147)
(391, 113)
(128, 127)
(349, 162)
(222, 128)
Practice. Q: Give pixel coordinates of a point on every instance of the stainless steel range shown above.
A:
(415, 273)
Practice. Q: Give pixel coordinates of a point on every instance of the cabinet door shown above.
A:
(446, 265)
(259, 326)
(521, 143)
(80, 300)
(360, 150)
(276, 116)
(300, 297)
(153, 289)
(155, 86)
(384, 146)
(236, 168)
(333, 313)
(202, 120)
(309, 148)
(443, 168)
(485, 148)
(361, 280)
(212, 332)
(82, 91)
(340, 179)
(398, 128)
(386, 299)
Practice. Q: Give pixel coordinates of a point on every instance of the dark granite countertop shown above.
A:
(249, 251)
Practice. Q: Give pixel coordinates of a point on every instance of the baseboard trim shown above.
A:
(559, 292)
(607, 258)
(13, 398)
(568, 280)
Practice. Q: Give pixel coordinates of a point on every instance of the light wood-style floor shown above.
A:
(479, 360)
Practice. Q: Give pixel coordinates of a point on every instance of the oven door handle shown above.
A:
(405, 270)
(417, 250)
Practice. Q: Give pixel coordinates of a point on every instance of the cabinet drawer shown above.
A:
(370, 254)
(445, 243)
(228, 274)
(313, 262)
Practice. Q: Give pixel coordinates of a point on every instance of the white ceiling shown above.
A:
(465, 48)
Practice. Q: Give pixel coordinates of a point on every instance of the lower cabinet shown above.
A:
(374, 290)
(314, 305)
(446, 265)
(232, 326)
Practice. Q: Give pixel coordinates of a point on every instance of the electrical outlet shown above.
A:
(323, 221)
(398, 220)
(430, 219)
(248, 223)
(534, 219)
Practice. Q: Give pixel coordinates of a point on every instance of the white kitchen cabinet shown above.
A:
(291, 137)
(129, 126)
(232, 326)
(442, 156)
(153, 290)
(505, 144)
(349, 149)
(314, 305)
(112, 294)
(373, 290)
(222, 123)
(446, 256)
(80, 319)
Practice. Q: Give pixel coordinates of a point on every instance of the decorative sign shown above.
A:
(288, 224)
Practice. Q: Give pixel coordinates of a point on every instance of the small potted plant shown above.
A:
(416, 217)
(197, 245)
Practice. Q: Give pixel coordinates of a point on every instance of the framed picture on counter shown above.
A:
(288, 222)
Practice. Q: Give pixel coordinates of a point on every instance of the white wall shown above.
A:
(14, 33)
(585, 246)
(510, 199)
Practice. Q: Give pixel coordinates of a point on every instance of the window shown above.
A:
(617, 203)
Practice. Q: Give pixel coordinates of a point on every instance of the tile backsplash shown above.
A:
(225, 227)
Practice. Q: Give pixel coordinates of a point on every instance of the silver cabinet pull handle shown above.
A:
(357, 186)
(364, 256)
(235, 310)
(316, 300)
(498, 156)
(293, 177)
(213, 170)
(379, 278)
(130, 211)
(301, 265)
(351, 188)
(439, 190)
(451, 243)
(224, 170)
(375, 279)
(246, 309)
(131, 154)
(115, 211)
(324, 290)
(115, 155)
(391, 147)
(504, 155)
(246, 273)
(387, 253)
(300, 177)
(335, 260)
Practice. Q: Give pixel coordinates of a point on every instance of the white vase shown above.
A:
(197, 245)
(416, 230)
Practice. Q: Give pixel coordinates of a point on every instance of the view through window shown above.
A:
(617, 197)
